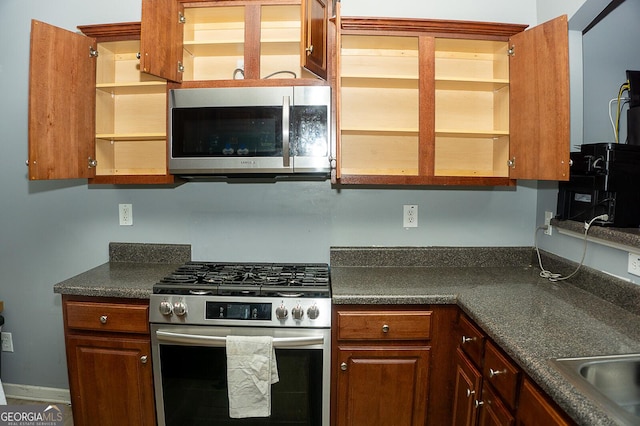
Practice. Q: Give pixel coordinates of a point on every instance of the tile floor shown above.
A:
(66, 408)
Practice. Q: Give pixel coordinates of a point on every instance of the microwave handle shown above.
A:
(285, 130)
(221, 341)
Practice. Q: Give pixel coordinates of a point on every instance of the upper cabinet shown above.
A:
(92, 113)
(446, 102)
(248, 40)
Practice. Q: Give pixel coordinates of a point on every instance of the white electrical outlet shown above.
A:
(126, 214)
(547, 221)
(7, 342)
(410, 216)
(634, 264)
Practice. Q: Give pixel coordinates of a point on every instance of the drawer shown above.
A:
(471, 340)
(107, 317)
(384, 325)
(502, 373)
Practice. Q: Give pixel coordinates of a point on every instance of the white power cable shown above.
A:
(558, 277)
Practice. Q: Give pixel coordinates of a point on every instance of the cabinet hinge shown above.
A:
(512, 50)
(181, 18)
(92, 163)
(512, 163)
(180, 67)
(93, 53)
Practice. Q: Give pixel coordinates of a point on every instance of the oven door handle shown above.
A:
(221, 341)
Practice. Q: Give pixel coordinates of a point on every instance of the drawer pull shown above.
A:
(385, 328)
(470, 392)
(493, 373)
(466, 339)
(343, 366)
(103, 319)
(144, 359)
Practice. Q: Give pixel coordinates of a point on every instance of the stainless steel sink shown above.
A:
(612, 382)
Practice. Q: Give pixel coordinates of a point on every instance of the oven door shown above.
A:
(190, 374)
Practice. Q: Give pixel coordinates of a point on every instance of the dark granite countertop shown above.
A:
(532, 319)
(131, 272)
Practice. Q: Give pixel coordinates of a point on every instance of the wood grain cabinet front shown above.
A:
(447, 102)
(212, 42)
(381, 366)
(109, 361)
(92, 113)
(492, 390)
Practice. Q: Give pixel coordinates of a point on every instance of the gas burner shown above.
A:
(238, 279)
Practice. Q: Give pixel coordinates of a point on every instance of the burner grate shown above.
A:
(258, 279)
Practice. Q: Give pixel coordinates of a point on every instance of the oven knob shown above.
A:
(297, 313)
(180, 309)
(313, 312)
(166, 308)
(281, 312)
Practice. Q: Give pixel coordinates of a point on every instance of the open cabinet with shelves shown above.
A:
(130, 114)
(379, 103)
(92, 113)
(434, 102)
(471, 108)
(249, 40)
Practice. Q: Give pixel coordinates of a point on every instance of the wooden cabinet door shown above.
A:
(314, 36)
(161, 39)
(467, 391)
(382, 386)
(111, 381)
(535, 409)
(62, 102)
(492, 410)
(539, 102)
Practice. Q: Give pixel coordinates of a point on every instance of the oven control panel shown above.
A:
(249, 311)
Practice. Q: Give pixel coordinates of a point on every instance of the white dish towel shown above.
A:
(251, 370)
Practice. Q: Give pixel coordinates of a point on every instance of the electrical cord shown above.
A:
(553, 277)
(616, 126)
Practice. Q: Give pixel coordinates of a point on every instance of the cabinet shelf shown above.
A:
(471, 84)
(130, 136)
(472, 133)
(133, 88)
(381, 81)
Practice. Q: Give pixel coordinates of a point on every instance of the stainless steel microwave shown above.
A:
(250, 131)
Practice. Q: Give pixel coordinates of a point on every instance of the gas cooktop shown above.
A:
(248, 279)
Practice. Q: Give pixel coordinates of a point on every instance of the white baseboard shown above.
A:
(37, 393)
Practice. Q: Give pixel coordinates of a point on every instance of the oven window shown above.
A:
(227, 132)
(194, 383)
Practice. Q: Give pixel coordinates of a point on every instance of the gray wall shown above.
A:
(51, 231)
(607, 51)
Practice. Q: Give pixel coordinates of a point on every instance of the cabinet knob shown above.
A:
(144, 359)
(309, 50)
(343, 366)
(493, 373)
(103, 319)
(470, 392)
(385, 328)
(478, 404)
(466, 339)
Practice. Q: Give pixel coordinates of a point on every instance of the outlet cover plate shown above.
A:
(634, 264)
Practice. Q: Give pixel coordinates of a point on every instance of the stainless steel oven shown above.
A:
(194, 310)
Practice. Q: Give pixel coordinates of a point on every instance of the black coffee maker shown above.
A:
(604, 178)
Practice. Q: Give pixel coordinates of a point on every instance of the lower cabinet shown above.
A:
(383, 386)
(109, 361)
(535, 408)
(490, 389)
(381, 366)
